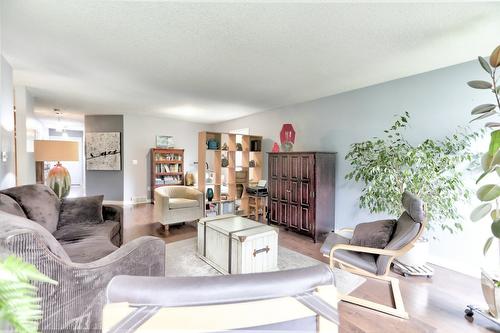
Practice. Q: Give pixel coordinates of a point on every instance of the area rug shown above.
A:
(182, 260)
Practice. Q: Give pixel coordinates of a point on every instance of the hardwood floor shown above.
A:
(434, 305)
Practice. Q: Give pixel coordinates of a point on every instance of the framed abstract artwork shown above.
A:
(103, 151)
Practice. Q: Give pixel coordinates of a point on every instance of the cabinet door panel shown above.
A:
(304, 194)
(306, 167)
(283, 216)
(274, 189)
(294, 193)
(284, 190)
(274, 168)
(306, 220)
(294, 167)
(274, 211)
(293, 217)
(284, 166)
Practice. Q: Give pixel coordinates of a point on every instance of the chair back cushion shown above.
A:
(413, 206)
(373, 234)
(38, 202)
(407, 228)
(9, 205)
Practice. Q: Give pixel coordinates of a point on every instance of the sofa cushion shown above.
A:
(38, 202)
(77, 231)
(85, 210)
(373, 234)
(9, 205)
(88, 249)
(11, 223)
(177, 203)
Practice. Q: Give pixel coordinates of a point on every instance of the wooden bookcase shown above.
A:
(167, 168)
(229, 182)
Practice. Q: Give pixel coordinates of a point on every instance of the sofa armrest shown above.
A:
(112, 213)
(185, 291)
(77, 301)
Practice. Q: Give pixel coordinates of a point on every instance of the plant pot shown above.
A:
(491, 292)
(418, 255)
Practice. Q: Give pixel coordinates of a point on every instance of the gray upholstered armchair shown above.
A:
(82, 261)
(375, 262)
(177, 204)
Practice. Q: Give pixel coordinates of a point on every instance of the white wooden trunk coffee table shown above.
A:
(235, 245)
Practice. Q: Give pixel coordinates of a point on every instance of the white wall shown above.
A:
(7, 168)
(26, 127)
(438, 102)
(140, 136)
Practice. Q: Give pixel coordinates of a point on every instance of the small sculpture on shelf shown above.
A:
(224, 162)
(239, 147)
(225, 147)
(252, 164)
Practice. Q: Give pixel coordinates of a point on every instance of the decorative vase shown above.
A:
(210, 194)
(491, 293)
(251, 164)
(287, 146)
(189, 179)
(59, 180)
(224, 162)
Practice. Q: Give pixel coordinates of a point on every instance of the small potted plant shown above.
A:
(489, 194)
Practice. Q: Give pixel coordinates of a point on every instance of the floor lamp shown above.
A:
(58, 178)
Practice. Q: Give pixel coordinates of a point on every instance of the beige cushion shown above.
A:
(177, 203)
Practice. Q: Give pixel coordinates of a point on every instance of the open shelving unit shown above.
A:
(242, 158)
(167, 168)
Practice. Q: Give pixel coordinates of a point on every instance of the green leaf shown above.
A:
(488, 192)
(495, 228)
(481, 211)
(484, 115)
(492, 125)
(479, 84)
(495, 214)
(483, 108)
(487, 245)
(485, 64)
(498, 90)
(486, 162)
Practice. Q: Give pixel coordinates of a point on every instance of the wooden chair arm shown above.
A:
(363, 249)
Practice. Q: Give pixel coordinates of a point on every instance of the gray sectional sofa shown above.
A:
(77, 243)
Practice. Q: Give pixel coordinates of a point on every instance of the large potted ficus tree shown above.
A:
(489, 193)
(390, 164)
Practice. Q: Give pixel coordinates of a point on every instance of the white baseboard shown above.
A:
(124, 203)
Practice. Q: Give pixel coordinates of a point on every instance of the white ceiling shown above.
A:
(211, 62)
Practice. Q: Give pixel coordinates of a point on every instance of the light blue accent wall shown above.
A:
(438, 101)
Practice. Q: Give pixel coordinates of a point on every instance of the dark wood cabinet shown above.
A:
(302, 192)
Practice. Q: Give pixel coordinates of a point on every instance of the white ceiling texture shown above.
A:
(210, 62)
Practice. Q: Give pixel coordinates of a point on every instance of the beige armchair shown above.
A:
(177, 204)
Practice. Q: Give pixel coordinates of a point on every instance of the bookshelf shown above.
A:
(229, 169)
(167, 168)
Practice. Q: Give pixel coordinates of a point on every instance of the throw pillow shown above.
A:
(373, 234)
(81, 210)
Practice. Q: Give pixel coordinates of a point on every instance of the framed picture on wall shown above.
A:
(103, 151)
(164, 141)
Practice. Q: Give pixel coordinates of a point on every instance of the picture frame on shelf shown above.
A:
(165, 141)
